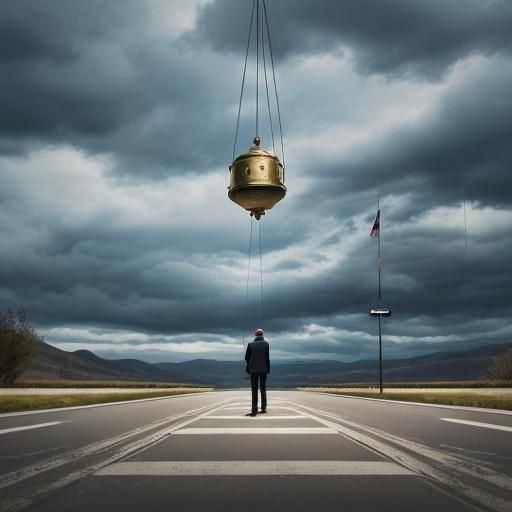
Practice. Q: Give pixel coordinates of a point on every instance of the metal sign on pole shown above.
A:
(380, 312)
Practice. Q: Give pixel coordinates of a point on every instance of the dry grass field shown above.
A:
(81, 384)
(494, 398)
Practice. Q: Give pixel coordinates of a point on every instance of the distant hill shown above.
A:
(440, 366)
(53, 363)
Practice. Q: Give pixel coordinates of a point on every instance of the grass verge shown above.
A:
(441, 397)
(15, 403)
(443, 385)
(56, 383)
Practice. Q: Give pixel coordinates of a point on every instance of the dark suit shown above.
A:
(257, 357)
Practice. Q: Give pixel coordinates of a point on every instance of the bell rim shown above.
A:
(258, 185)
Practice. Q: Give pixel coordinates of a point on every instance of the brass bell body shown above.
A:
(256, 180)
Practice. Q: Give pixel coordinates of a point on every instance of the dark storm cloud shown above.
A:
(32, 31)
(98, 276)
(425, 274)
(391, 36)
(98, 76)
(53, 83)
(461, 150)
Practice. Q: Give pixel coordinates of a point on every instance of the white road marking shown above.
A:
(436, 456)
(254, 468)
(254, 430)
(275, 403)
(30, 427)
(264, 417)
(73, 455)
(237, 408)
(248, 408)
(435, 471)
(18, 503)
(478, 424)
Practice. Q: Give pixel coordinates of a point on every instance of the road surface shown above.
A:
(310, 452)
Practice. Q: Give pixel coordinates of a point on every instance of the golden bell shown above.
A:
(256, 180)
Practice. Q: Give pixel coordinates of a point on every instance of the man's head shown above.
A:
(259, 333)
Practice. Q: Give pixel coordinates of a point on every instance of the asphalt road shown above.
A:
(309, 452)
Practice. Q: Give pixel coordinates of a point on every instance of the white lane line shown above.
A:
(254, 430)
(30, 427)
(249, 418)
(478, 424)
(254, 468)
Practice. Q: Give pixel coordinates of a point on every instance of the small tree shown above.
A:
(501, 368)
(18, 345)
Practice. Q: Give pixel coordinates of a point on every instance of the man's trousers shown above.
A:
(262, 379)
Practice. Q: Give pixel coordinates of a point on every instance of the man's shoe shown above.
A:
(251, 414)
(263, 411)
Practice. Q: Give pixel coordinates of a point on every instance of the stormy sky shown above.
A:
(117, 122)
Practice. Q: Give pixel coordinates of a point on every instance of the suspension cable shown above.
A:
(261, 279)
(257, 62)
(465, 283)
(275, 83)
(268, 95)
(465, 236)
(247, 289)
(243, 79)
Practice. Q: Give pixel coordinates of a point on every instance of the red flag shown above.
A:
(376, 225)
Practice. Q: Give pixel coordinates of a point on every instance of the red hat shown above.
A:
(259, 332)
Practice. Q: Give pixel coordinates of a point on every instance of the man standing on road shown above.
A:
(257, 358)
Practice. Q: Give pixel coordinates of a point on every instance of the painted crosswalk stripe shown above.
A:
(248, 404)
(29, 427)
(253, 468)
(478, 424)
(255, 430)
(248, 408)
(249, 418)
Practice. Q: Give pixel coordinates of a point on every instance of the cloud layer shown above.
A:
(116, 131)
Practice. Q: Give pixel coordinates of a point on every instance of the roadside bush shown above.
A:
(18, 345)
(502, 367)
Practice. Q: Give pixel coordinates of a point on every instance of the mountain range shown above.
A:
(53, 363)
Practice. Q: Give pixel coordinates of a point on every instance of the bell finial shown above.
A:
(257, 141)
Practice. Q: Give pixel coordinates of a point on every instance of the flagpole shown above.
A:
(379, 310)
(380, 295)
(378, 261)
(380, 355)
